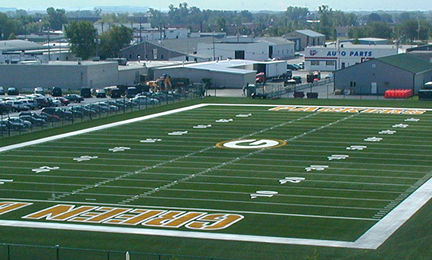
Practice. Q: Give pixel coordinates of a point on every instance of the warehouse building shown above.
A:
(401, 71)
(71, 75)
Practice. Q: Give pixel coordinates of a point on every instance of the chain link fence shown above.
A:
(32, 252)
(77, 113)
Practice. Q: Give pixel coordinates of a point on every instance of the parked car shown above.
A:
(100, 93)
(17, 105)
(38, 90)
(63, 101)
(56, 92)
(74, 98)
(17, 120)
(144, 100)
(12, 91)
(34, 120)
(2, 92)
(292, 66)
(12, 125)
(86, 92)
(63, 114)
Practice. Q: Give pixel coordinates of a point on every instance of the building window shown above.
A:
(315, 63)
(353, 84)
(330, 63)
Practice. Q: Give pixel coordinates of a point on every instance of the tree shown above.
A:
(379, 30)
(56, 18)
(82, 37)
(415, 30)
(7, 26)
(112, 41)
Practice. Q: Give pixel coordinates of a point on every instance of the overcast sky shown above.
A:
(251, 5)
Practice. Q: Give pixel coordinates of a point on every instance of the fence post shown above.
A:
(57, 252)
(127, 256)
(8, 252)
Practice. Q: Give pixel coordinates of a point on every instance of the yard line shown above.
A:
(169, 185)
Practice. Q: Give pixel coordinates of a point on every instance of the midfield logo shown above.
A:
(251, 144)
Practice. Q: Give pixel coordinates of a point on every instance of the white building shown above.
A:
(342, 55)
(248, 48)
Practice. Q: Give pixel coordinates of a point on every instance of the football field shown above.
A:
(345, 177)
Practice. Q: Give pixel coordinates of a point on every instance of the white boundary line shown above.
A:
(371, 239)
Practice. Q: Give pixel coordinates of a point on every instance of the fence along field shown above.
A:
(332, 176)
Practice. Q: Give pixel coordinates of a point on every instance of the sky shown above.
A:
(251, 5)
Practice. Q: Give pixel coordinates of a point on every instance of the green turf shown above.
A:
(224, 179)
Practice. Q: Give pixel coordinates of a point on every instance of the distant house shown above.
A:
(305, 38)
(401, 71)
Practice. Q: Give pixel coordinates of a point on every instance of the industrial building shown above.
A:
(337, 56)
(70, 75)
(401, 71)
(225, 73)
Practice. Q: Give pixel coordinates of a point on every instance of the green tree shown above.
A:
(7, 26)
(56, 18)
(415, 30)
(112, 41)
(82, 37)
(379, 30)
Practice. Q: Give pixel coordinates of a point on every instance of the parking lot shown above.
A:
(32, 112)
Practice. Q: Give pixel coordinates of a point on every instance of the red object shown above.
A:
(398, 93)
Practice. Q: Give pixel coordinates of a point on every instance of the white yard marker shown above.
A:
(202, 126)
(243, 115)
(316, 168)
(357, 147)
(263, 193)
(45, 169)
(150, 140)
(224, 120)
(292, 180)
(337, 157)
(3, 181)
(178, 133)
(400, 126)
(387, 132)
(373, 139)
(412, 120)
(85, 158)
(118, 149)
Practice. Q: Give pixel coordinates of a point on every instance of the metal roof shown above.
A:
(310, 33)
(227, 66)
(18, 45)
(407, 62)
